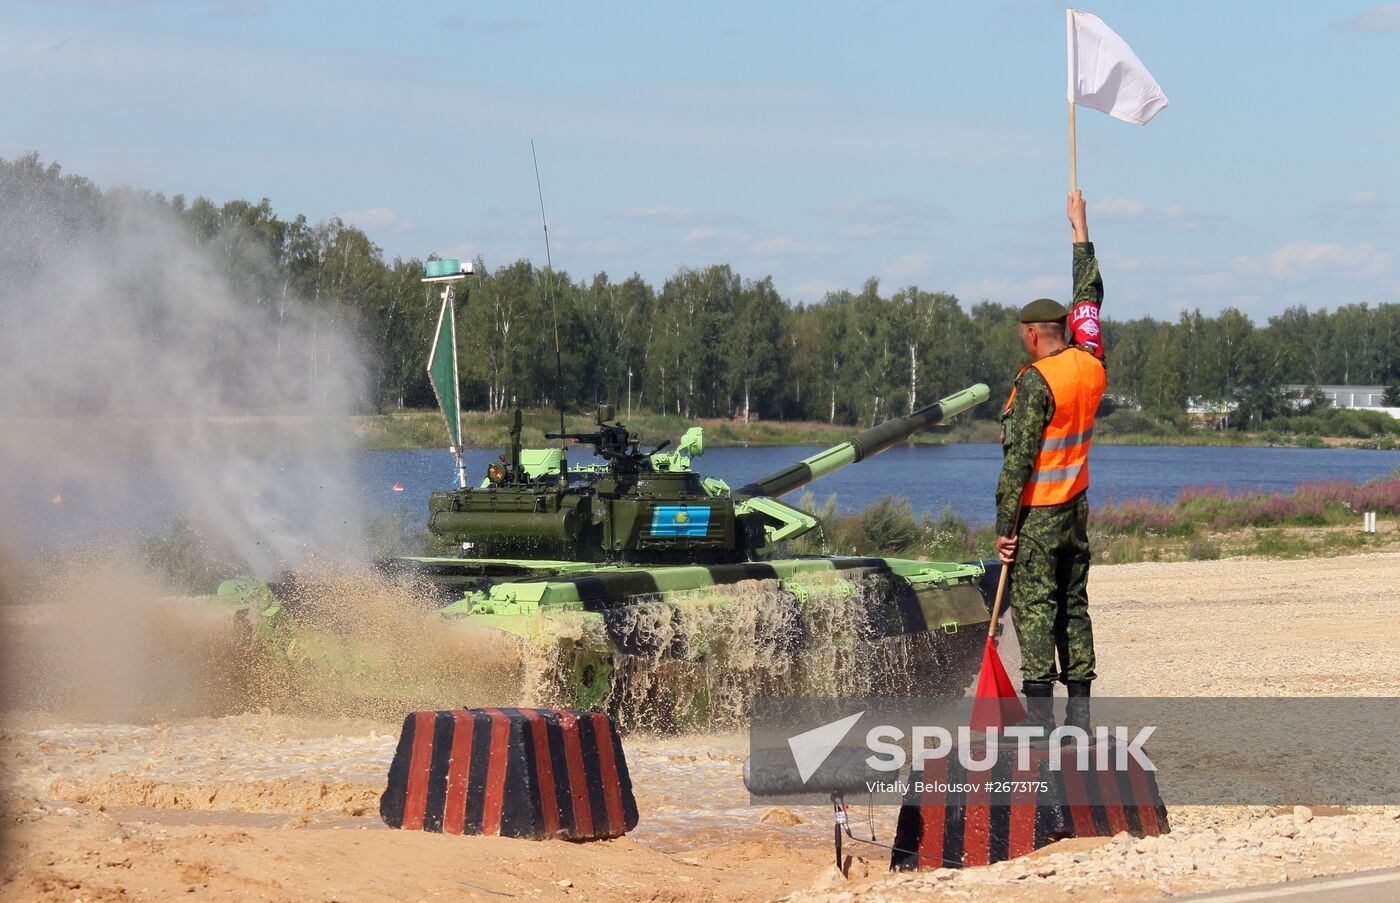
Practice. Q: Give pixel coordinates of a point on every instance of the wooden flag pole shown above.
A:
(996, 606)
(1001, 581)
(1073, 162)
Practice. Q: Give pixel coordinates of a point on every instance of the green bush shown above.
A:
(946, 537)
(1203, 550)
(1124, 422)
(889, 524)
(811, 543)
(1118, 550)
(1277, 544)
(1306, 425)
(1337, 422)
(1370, 424)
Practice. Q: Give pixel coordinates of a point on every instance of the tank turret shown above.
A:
(647, 506)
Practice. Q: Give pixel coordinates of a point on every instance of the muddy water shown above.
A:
(97, 639)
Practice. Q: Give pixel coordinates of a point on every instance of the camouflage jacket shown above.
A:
(1023, 424)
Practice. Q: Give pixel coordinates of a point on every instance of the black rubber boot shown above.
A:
(1040, 705)
(1077, 709)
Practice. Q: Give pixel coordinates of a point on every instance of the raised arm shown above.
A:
(1088, 284)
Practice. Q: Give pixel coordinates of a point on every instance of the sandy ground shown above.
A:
(265, 806)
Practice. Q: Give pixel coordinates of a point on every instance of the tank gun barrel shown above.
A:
(864, 444)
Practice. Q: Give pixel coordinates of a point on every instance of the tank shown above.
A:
(646, 587)
(635, 585)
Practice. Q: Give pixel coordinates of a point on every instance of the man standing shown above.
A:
(1042, 495)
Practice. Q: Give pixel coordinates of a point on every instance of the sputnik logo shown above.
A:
(811, 748)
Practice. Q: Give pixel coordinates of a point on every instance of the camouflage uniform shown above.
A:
(1049, 582)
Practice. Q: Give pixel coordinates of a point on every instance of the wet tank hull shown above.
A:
(685, 646)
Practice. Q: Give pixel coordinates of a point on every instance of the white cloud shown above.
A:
(377, 219)
(699, 233)
(1382, 18)
(909, 265)
(1305, 258)
(1364, 214)
(1313, 273)
(1174, 216)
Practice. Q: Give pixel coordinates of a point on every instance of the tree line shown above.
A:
(706, 342)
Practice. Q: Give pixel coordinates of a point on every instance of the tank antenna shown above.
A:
(554, 309)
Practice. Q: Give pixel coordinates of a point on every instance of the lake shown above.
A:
(115, 499)
(932, 476)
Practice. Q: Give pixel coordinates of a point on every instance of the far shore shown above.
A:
(418, 428)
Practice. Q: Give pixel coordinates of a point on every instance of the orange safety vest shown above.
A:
(1077, 381)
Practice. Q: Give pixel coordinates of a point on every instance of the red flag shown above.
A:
(996, 704)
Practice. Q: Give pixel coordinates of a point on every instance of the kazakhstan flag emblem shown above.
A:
(680, 520)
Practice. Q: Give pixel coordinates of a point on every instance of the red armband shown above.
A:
(1084, 328)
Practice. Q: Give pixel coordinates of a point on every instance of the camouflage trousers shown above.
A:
(1049, 591)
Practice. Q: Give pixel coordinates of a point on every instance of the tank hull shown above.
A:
(662, 647)
(659, 646)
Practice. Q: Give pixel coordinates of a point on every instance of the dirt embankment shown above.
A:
(268, 806)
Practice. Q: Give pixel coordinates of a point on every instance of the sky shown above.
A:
(821, 144)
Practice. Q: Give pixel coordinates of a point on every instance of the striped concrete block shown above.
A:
(954, 817)
(532, 773)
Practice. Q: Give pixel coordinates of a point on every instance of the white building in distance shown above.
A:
(1358, 398)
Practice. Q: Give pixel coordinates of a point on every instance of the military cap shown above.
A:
(1043, 310)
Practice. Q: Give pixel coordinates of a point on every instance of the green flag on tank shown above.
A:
(442, 370)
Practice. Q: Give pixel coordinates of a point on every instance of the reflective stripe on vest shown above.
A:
(1077, 381)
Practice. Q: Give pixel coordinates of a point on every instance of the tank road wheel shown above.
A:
(577, 677)
(593, 680)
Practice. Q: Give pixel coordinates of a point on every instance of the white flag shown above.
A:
(1105, 74)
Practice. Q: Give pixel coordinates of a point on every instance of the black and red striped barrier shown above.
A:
(1101, 802)
(954, 816)
(532, 773)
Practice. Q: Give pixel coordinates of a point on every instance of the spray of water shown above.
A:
(117, 326)
(708, 653)
(124, 335)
